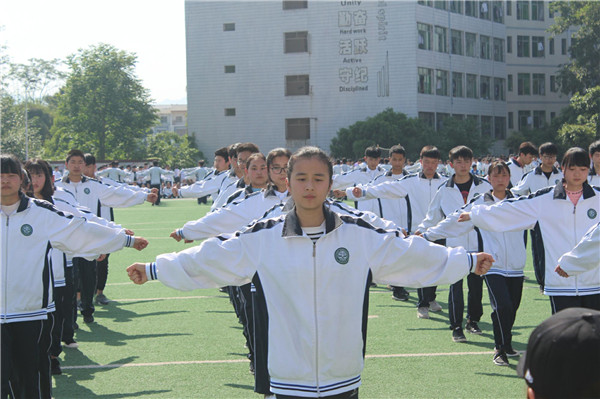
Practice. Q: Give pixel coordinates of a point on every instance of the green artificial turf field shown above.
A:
(155, 342)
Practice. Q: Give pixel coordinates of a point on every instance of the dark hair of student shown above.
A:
(40, 166)
(10, 164)
(89, 159)
(250, 147)
(461, 151)
(223, 152)
(594, 147)
(430, 151)
(155, 163)
(254, 156)
(310, 152)
(548, 149)
(232, 150)
(575, 156)
(277, 152)
(498, 166)
(75, 153)
(527, 148)
(373, 152)
(397, 149)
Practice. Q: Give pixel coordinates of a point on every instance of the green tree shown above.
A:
(12, 139)
(103, 107)
(37, 78)
(581, 120)
(173, 149)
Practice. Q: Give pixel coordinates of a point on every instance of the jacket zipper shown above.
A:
(575, 240)
(314, 254)
(5, 288)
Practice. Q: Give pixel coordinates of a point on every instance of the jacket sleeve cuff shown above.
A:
(129, 240)
(151, 271)
(472, 261)
(180, 233)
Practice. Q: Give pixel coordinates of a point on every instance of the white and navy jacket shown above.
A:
(536, 180)
(156, 173)
(585, 256)
(507, 248)
(448, 199)
(355, 177)
(27, 237)
(316, 294)
(593, 177)
(561, 227)
(516, 172)
(420, 189)
(211, 185)
(115, 174)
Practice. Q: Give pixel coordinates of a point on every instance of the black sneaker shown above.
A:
(101, 299)
(472, 327)
(75, 326)
(511, 352)
(400, 294)
(79, 305)
(55, 366)
(88, 319)
(458, 335)
(500, 358)
(251, 370)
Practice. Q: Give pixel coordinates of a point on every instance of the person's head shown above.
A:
(397, 158)
(576, 166)
(75, 164)
(243, 151)
(201, 163)
(256, 170)
(562, 358)
(499, 175)
(221, 162)
(154, 163)
(40, 174)
(595, 154)
(310, 175)
(11, 176)
(90, 165)
(114, 164)
(548, 152)
(277, 160)
(430, 158)
(527, 151)
(461, 158)
(372, 157)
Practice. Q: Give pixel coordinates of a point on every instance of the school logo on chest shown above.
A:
(592, 213)
(26, 230)
(86, 190)
(342, 256)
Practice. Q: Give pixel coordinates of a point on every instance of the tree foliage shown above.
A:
(103, 107)
(581, 119)
(173, 150)
(37, 78)
(13, 137)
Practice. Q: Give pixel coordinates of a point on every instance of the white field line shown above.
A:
(159, 364)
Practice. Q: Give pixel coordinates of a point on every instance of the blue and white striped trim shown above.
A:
(290, 389)
(180, 233)
(472, 262)
(571, 291)
(40, 314)
(506, 273)
(151, 271)
(60, 283)
(129, 240)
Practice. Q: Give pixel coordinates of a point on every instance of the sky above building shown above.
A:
(152, 29)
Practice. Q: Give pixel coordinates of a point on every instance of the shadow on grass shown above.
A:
(220, 311)
(512, 366)
(240, 386)
(98, 332)
(120, 315)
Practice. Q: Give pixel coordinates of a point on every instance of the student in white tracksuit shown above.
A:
(584, 257)
(518, 166)
(565, 213)
(594, 175)
(317, 324)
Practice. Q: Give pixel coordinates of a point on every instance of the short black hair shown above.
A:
(277, 152)
(223, 152)
(397, 149)
(594, 147)
(89, 159)
(460, 151)
(548, 148)
(250, 147)
(528, 148)
(11, 164)
(430, 151)
(575, 156)
(75, 153)
(373, 152)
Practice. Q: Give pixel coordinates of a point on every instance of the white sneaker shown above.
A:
(434, 306)
(423, 313)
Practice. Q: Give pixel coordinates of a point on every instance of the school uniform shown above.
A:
(305, 358)
(561, 225)
(536, 180)
(517, 170)
(594, 177)
(115, 174)
(155, 174)
(585, 256)
(228, 189)
(362, 175)
(211, 185)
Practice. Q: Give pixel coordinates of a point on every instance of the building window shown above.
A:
(230, 27)
(509, 81)
(498, 50)
(484, 87)
(441, 40)
(440, 117)
(511, 122)
(539, 119)
(486, 126)
(553, 87)
(563, 46)
(484, 44)
(537, 10)
(484, 10)
(551, 46)
(499, 128)
(537, 46)
(297, 129)
(296, 42)
(441, 82)
(457, 84)
(456, 6)
(472, 86)
(508, 7)
(296, 85)
(522, 46)
(471, 8)
(440, 4)
(550, 12)
(425, 36)
(229, 68)
(523, 84)
(229, 111)
(523, 9)
(525, 120)
(456, 42)
(498, 13)
(428, 118)
(164, 120)
(499, 94)
(470, 44)
(294, 5)
(509, 44)
(425, 80)
(552, 114)
(538, 81)
(178, 119)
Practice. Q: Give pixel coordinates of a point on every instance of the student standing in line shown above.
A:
(213, 184)
(317, 325)
(505, 279)
(544, 175)
(584, 257)
(594, 176)
(452, 195)
(565, 213)
(518, 165)
(155, 173)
